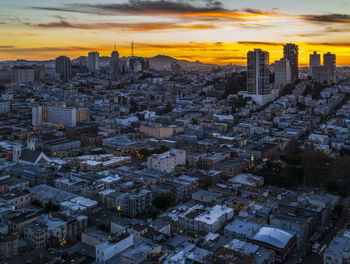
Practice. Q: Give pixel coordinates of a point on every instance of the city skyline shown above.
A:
(209, 31)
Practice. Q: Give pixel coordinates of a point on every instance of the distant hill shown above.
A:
(159, 62)
(163, 62)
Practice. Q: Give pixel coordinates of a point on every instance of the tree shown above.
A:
(344, 151)
(312, 162)
(340, 169)
(163, 200)
(51, 207)
(168, 107)
(103, 227)
(292, 146)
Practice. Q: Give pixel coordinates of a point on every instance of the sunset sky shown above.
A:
(207, 30)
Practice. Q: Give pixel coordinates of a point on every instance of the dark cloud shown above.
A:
(145, 7)
(62, 24)
(330, 18)
(6, 47)
(211, 10)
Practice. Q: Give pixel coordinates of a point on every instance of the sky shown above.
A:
(211, 31)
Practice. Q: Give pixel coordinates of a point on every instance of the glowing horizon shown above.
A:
(204, 30)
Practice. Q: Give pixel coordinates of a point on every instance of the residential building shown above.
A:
(63, 67)
(156, 130)
(93, 61)
(19, 221)
(320, 74)
(19, 199)
(22, 74)
(240, 229)
(338, 249)
(136, 203)
(314, 61)
(329, 62)
(167, 161)
(290, 52)
(108, 249)
(281, 241)
(282, 73)
(114, 63)
(8, 246)
(210, 220)
(258, 72)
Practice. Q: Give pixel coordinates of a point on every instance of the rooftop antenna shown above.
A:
(132, 48)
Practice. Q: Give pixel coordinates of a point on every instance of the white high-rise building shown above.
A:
(282, 72)
(94, 61)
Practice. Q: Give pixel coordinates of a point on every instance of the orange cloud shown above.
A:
(215, 53)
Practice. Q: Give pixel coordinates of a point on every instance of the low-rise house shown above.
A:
(108, 249)
(167, 161)
(199, 219)
(8, 246)
(17, 222)
(19, 199)
(240, 229)
(144, 250)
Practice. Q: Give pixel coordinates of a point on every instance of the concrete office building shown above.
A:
(290, 52)
(329, 62)
(282, 73)
(63, 67)
(94, 61)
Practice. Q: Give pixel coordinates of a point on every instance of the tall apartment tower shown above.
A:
(94, 61)
(290, 52)
(320, 74)
(329, 62)
(258, 72)
(315, 60)
(63, 67)
(114, 63)
(282, 72)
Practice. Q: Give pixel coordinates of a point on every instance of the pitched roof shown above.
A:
(32, 155)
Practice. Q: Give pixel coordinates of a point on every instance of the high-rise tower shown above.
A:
(94, 61)
(258, 72)
(63, 67)
(290, 52)
(329, 62)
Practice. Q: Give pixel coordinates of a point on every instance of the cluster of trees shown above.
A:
(235, 83)
(163, 201)
(51, 207)
(147, 152)
(339, 178)
(310, 168)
